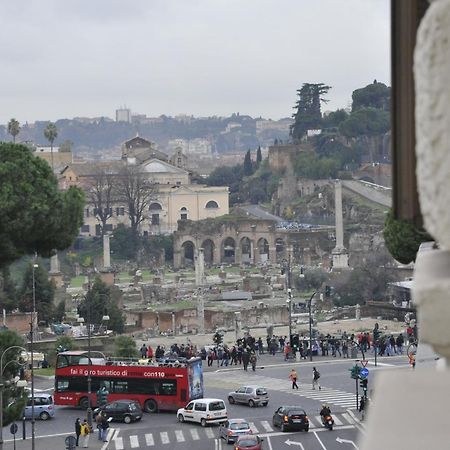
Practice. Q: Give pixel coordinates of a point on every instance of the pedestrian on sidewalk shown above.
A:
(85, 432)
(77, 430)
(293, 377)
(253, 360)
(316, 376)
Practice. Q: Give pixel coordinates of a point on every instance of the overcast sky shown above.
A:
(68, 58)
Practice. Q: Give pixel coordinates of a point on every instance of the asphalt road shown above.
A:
(162, 431)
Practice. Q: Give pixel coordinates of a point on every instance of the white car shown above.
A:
(204, 411)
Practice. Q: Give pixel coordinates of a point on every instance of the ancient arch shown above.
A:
(187, 253)
(246, 250)
(263, 249)
(279, 249)
(229, 250)
(208, 251)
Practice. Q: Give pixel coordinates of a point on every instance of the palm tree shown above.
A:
(51, 133)
(13, 128)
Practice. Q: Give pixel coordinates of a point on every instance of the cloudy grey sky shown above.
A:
(68, 58)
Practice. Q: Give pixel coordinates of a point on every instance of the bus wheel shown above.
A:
(151, 406)
(84, 403)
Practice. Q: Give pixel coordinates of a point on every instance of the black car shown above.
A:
(291, 418)
(121, 410)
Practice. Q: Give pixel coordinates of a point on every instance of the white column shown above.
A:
(54, 264)
(338, 215)
(106, 252)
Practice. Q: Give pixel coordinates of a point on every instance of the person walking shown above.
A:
(293, 377)
(316, 376)
(77, 430)
(362, 407)
(98, 421)
(253, 360)
(85, 431)
(104, 425)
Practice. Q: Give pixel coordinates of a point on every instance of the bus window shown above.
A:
(120, 387)
(62, 385)
(169, 387)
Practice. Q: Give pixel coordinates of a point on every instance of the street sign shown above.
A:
(364, 372)
(13, 428)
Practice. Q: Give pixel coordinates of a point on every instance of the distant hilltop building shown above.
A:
(199, 147)
(123, 115)
(176, 198)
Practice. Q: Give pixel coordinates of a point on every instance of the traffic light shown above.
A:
(354, 372)
(289, 293)
(294, 341)
(363, 383)
(376, 335)
(102, 397)
(217, 338)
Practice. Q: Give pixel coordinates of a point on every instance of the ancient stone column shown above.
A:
(106, 252)
(340, 254)
(199, 265)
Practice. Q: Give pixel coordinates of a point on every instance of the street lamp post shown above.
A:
(289, 305)
(310, 324)
(2, 386)
(33, 315)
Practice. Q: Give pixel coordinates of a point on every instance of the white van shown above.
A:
(203, 411)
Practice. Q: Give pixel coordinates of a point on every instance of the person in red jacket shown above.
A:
(150, 352)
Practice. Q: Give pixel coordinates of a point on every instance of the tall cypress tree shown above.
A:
(258, 156)
(248, 167)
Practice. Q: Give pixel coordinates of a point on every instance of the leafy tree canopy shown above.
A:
(310, 165)
(366, 121)
(334, 119)
(36, 216)
(99, 301)
(44, 292)
(375, 95)
(125, 347)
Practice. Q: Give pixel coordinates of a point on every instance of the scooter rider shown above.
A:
(326, 411)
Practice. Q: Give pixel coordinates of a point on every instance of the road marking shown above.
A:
(179, 436)
(269, 443)
(346, 441)
(312, 424)
(209, 432)
(194, 434)
(348, 418)
(298, 444)
(164, 437)
(320, 442)
(134, 441)
(266, 425)
(149, 439)
(119, 443)
(253, 428)
(337, 421)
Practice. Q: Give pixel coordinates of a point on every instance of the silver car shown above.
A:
(251, 395)
(233, 428)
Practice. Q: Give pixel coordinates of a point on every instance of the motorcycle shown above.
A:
(328, 422)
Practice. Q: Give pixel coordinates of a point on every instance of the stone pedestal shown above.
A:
(107, 277)
(223, 275)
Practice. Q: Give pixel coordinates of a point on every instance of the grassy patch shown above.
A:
(50, 371)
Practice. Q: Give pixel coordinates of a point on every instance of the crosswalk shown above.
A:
(325, 395)
(123, 440)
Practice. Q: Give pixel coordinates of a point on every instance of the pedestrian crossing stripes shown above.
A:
(195, 433)
(328, 395)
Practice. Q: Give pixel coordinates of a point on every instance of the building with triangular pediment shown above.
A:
(176, 198)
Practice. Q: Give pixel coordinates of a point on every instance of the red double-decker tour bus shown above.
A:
(156, 386)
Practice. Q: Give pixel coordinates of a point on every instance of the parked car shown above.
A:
(44, 408)
(251, 395)
(121, 410)
(291, 418)
(203, 411)
(231, 429)
(248, 442)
